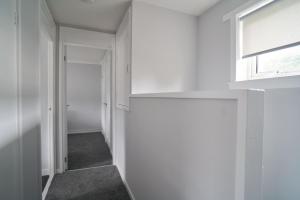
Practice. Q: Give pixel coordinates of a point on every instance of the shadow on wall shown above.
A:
(10, 163)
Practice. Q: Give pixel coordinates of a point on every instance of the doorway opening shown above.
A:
(88, 109)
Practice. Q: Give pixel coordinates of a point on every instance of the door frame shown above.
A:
(47, 27)
(106, 74)
(84, 38)
(50, 109)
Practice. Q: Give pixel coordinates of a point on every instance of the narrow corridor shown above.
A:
(87, 150)
(99, 183)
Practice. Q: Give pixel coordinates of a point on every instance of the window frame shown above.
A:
(244, 77)
(253, 66)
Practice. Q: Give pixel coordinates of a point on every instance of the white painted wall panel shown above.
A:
(84, 97)
(84, 55)
(164, 47)
(281, 150)
(214, 47)
(44, 102)
(181, 148)
(29, 96)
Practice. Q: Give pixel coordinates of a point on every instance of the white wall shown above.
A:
(106, 115)
(121, 98)
(186, 148)
(281, 157)
(78, 54)
(29, 99)
(178, 151)
(44, 104)
(20, 168)
(84, 97)
(213, 71)
(281, 120)
(163, 49)
(9, 142)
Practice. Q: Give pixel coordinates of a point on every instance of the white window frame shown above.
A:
(249, 79)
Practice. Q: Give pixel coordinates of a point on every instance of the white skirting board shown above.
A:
(45, 172)
(128, 189)
(44, 194)
(84, 131)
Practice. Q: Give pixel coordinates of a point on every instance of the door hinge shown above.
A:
(65, 58)
(66, 159)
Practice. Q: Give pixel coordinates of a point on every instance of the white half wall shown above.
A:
(164, 46)
(84, 97)
(178, 150)
(180, 146)
(281, 145)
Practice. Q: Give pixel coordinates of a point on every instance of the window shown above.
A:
(268, 40)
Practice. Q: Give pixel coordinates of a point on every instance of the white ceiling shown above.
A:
(106, 15)
(192, 7)
(84, 55)
(102, 15)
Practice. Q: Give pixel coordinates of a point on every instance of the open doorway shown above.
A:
(83, 47)
(87, 107)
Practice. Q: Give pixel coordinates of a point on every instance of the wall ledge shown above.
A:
(230, 94)
(267, 83)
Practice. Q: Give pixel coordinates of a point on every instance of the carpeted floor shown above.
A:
(44, 181)
(99, 183)
(87, 150)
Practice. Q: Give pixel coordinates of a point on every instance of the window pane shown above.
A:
(281, 61)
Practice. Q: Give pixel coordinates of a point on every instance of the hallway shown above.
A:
(150, 100)
(99, 183)
(87, 150)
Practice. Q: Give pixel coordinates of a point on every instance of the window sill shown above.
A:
(267, 83)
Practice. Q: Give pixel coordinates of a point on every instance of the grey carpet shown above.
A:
(44, 181)
(100, 183)
(87, 150)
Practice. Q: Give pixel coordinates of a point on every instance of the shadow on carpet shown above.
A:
(101, 183)
(87, 150)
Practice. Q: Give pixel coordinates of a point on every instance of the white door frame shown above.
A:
(50, 109)
(84, 38)
(47, 27)
(106, 74)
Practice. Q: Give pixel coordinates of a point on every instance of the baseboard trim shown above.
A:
(45, 172)
(128, 189)
(44, 193)
(107, 141)
(59, 171)
(84, 131)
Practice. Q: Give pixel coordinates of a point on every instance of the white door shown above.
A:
(106, 91)
(51, 100)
